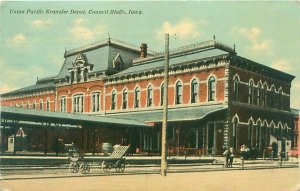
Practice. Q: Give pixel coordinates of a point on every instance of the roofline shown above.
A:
(289, 76)
(19, 91)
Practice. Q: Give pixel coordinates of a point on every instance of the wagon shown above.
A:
(78, 162)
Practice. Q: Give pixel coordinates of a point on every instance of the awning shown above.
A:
(40, 116)
(174, 114)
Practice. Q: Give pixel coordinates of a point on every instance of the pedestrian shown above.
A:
(225, 154)
(231, 156)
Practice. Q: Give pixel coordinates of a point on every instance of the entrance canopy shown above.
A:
(174, 114)
(12, 114)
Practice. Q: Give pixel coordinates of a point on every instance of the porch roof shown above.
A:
(40, 116)
(174, 114)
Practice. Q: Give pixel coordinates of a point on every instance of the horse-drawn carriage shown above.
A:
(79, 163)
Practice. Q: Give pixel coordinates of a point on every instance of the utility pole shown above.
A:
(165, 111)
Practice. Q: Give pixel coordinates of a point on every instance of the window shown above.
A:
(178, 93)
(27, 105)
(162, 90)
(125, 99)
(235, 88)
(149, 96)
(263, 95)
(211, 89)
(250, 134)
(78, 103)
(41, 104)
(137, 94)
(234, 133)
(96, 102)
(280, 99)
(272, 97)
(34, 105)
(63, 105)
(194, 91)
(48, 105)
(250, 92)
(113, 100)
(258, 94)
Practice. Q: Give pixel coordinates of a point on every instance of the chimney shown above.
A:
(143, 50)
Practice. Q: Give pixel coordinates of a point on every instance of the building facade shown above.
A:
(216, 98)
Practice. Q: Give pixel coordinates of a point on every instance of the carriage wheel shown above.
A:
(106, 166)
(85, 168)
(74, 167)
(120, 166)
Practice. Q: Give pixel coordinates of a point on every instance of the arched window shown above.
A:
(48, 105)
(113, 99)
(27, 105)
(194, 91)
(95, 101)
(125, 99)
(258, 94)
(149, 96)
(272, 97)
(280, 99)
(235, 88)
(162, 89)
(41, 104)
(258, 134)
(264, 95)
(137, 94)
(78, 101)
(34, 104)
(63, 103)
(250, 92)
(211, 89)
(178, 93)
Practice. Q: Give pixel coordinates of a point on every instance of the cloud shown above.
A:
(81, 31)
(4, 88)
(18, 39)
(185, 28)
(253, 34)
(282, 64)
(41, 23)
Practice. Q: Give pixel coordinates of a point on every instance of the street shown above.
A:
(277, 179)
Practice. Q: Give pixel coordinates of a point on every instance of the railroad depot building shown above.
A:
(216, 98)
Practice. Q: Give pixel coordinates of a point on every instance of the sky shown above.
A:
(33, 39)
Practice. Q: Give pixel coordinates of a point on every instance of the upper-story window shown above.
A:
(95, 101)
(149, 96)
(194, 91)
(137, 94)
(162, 90)
(48, 105)
(211, 89)
(272, 97)
(178, 93)
(41, 104)
(34, 104)
(280, 99)
(113, 99)
(125, 99)
(27, 105)
(258, 94)
(235, 88)
(63, 103)
(264, 95)
(78, 101)
(250, 92)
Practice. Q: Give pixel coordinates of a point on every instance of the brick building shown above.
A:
(215, 97)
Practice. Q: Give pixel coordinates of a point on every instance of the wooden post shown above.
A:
(165, 112)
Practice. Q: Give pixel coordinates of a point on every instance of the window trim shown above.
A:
(150, 95)
(211, 88)
(95, 105)
(194, 95)
(178, 94)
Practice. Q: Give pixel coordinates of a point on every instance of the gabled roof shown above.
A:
(100, 55)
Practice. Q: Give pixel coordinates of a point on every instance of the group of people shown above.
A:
(228, 154)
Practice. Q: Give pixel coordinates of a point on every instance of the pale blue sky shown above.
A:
(33, 44)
